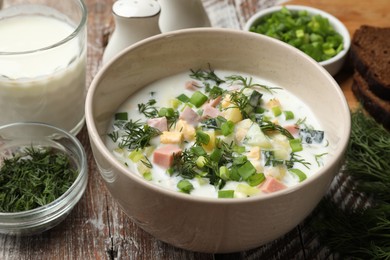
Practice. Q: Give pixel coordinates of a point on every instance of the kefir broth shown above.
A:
(46, 85)
(164, 90)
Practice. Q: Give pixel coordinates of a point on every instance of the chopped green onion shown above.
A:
(147, 176)
(135, 156)
(198, 98)
(185, 186)
(201, 161)
(198, 150)
(227, 128)
(167, 112)
(224, 173)
(202, 137)
(247, 190)
(277, 111)
(312, 34)
(239, 149)
(301, 175)
(246, 170)
(288, 115)
(234, 175)
(240, 159)
(296, 145)
(175, 103)
(256, 179)
(121, 116)
(226, 194)
(183, 98)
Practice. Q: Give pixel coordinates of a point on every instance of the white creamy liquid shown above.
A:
(46, 85)
(168, 88)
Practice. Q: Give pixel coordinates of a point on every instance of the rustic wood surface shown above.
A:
(98, 229)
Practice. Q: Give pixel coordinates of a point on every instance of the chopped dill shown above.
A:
(34, 177)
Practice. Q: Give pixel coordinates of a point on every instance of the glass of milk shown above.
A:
(43, 62)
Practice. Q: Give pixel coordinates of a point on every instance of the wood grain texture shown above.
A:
(98, 229)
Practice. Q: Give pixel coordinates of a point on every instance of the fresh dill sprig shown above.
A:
(247, 82)
(137, 135)
(270, 160)
(185, 164)
(361, 232)
(147, 162)
(240, 101)
(114, 135)
(148, 109)
(267, 126)
(206, 75)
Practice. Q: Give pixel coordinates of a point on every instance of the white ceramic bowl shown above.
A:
(204, 224)
(332, 65)
(30, 222)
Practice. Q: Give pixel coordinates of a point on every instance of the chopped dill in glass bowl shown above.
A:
(43, 174)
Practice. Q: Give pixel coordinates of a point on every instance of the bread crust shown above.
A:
(377, 107)
(370, 55)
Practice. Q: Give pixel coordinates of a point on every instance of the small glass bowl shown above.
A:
(18, 135)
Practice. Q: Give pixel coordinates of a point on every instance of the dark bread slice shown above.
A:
(370, 55)
(377, 107)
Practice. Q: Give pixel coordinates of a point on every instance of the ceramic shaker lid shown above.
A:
(136, 8)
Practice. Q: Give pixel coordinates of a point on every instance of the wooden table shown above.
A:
(98, 229)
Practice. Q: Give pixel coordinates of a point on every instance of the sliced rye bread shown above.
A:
(370, 55)
(377, 107)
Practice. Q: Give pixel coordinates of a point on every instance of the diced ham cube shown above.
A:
(271, 185)
(159, 122)
(190, 116)
(293, 129)
(191, 85)
(210, 111)
(163, 156)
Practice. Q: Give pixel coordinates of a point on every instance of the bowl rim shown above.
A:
(336, 23)
(114, 163)
(81, 177)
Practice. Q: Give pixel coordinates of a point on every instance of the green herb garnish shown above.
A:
(34, 177)
(361, 232)
(137, 135)
(148, 109)
(206, 75)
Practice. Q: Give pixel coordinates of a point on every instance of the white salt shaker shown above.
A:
(181, 14)
(134, 20)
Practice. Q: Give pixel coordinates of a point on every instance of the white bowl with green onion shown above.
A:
(315, 32)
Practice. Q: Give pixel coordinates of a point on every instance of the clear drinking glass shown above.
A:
(43, 62)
